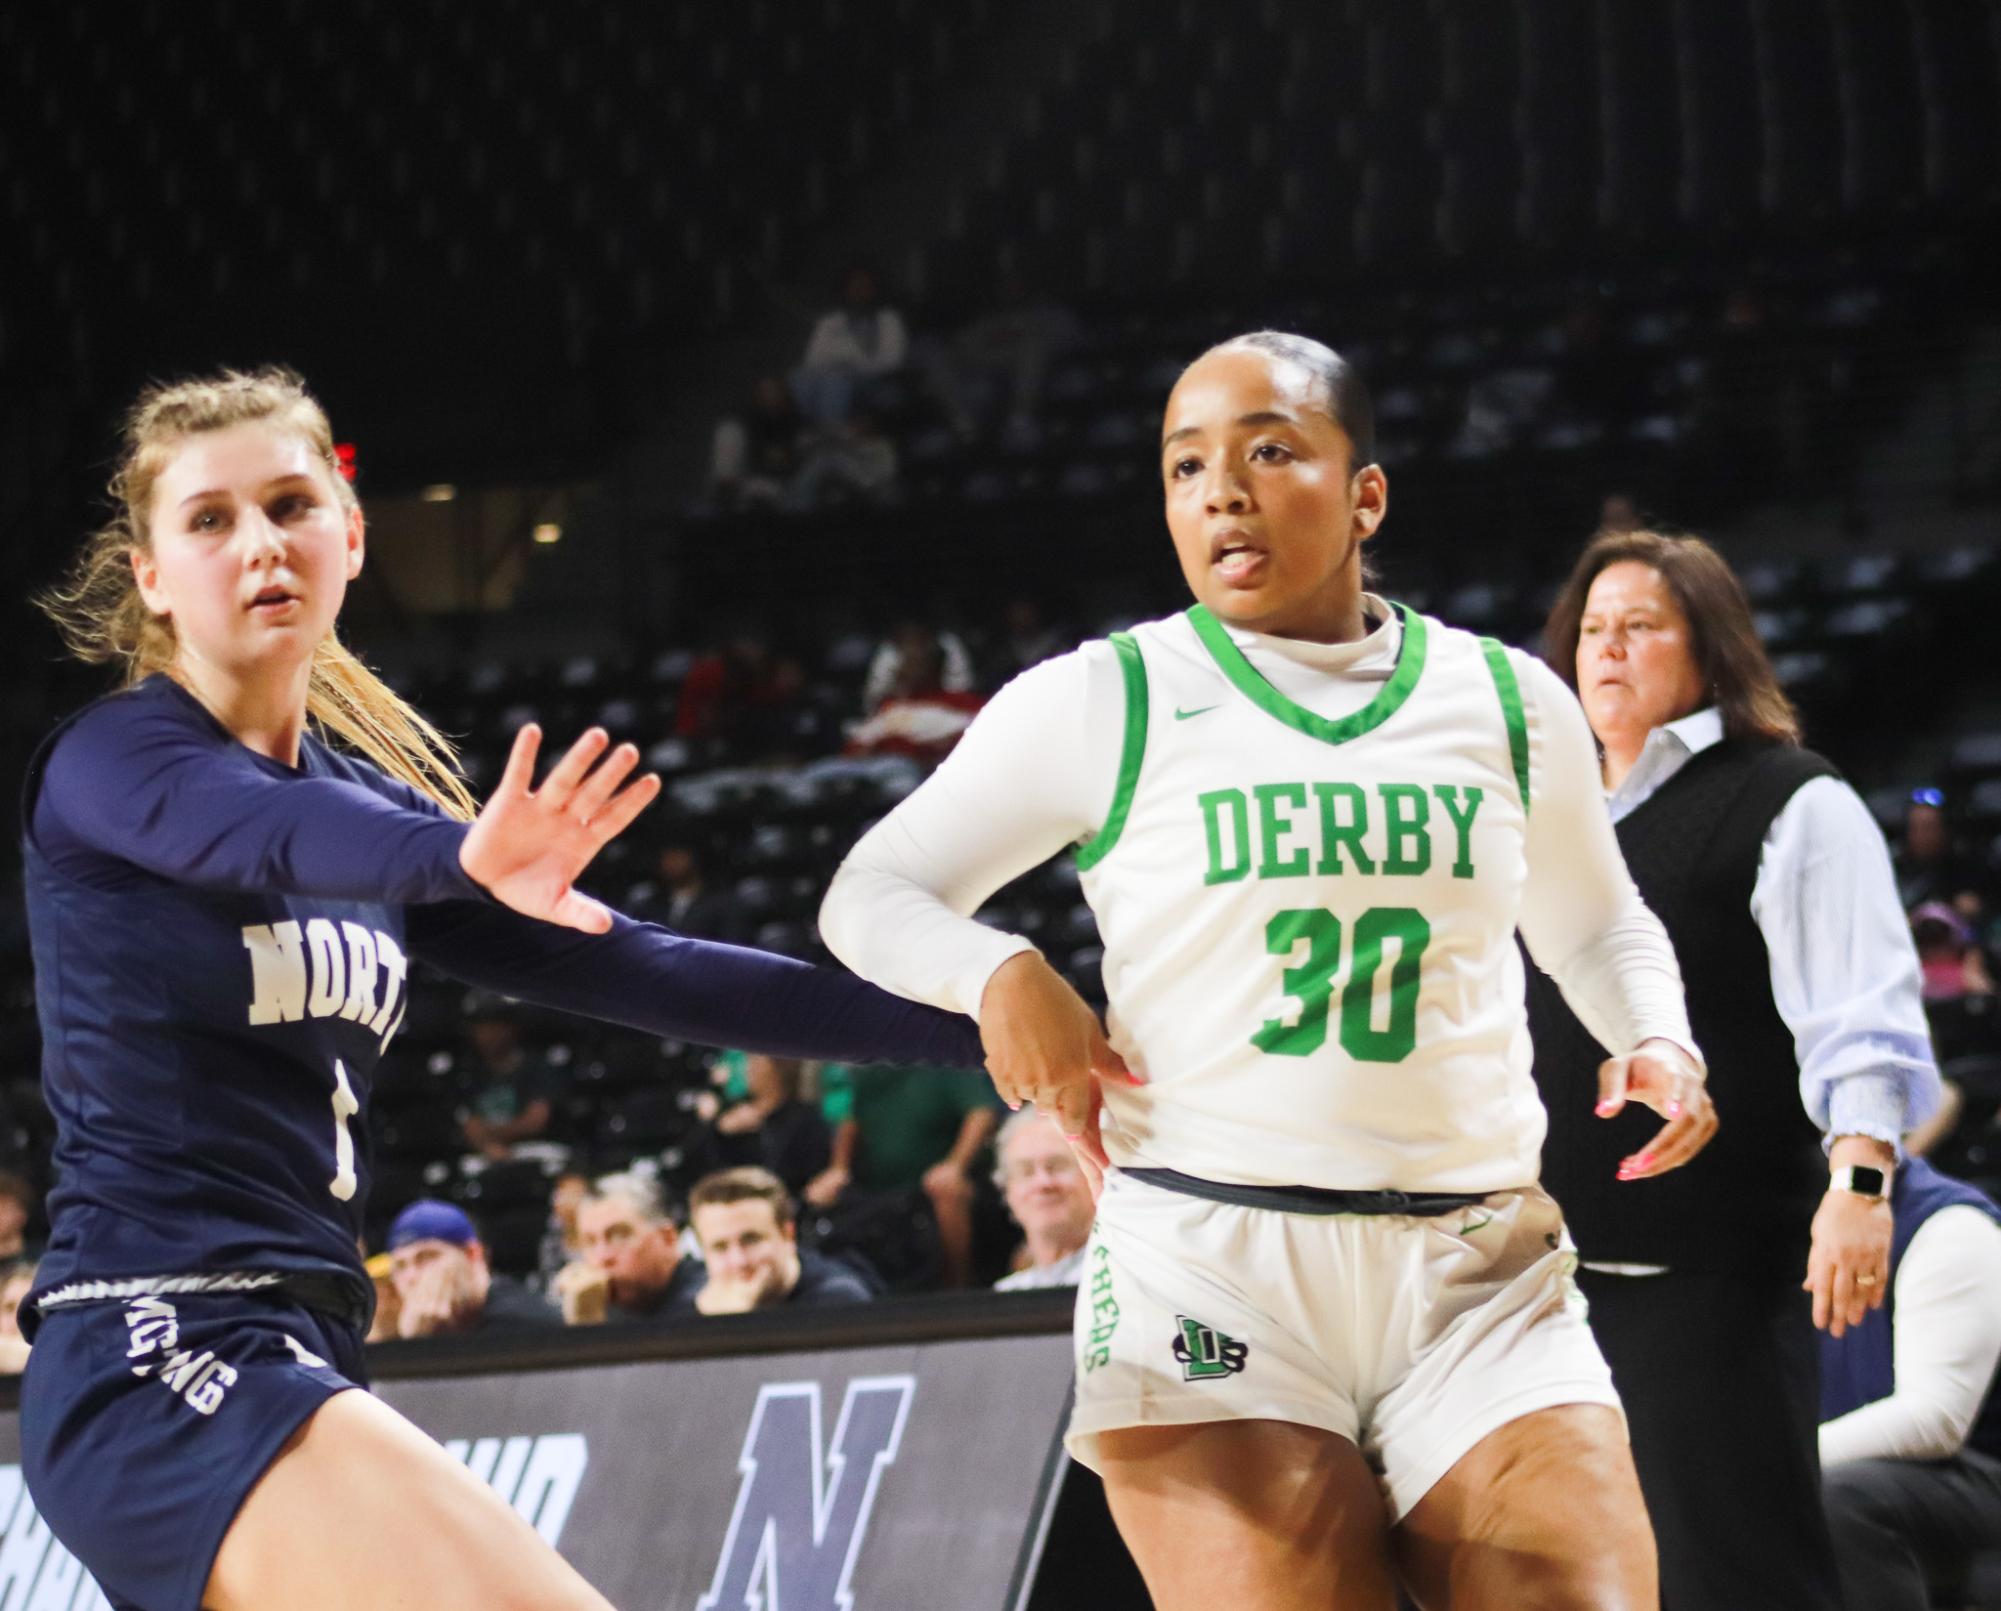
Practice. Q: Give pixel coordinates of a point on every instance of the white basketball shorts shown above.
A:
(1413, 1338)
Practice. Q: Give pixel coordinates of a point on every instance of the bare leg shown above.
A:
(361, 1508)
(1544, 1514)
(1253, 1515)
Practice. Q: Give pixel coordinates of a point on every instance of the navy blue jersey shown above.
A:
(222, 946)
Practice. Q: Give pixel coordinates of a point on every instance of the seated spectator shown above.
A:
(914, 1129)
(920, 717)
(1050, 1200)
(855, 459)
(857, 342)
(683, 901)
(1910, 1437)
(989, 375)
(17, 1211)
(632, 1266)
(510, 1091)
(743, 1219)
(1948, 956)
(771, 1129)
(1027, 637)
(561, 1242)
(1933, 866)
(17, 1280)
(738, 699)
(756, 454)
(885, 667)
(382, 1275)
(443, 1282)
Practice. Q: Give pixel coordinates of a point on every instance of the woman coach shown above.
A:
(1775, 887)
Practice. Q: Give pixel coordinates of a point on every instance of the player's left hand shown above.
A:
(1847, 1265)
(1662, 1076)
(528, 846)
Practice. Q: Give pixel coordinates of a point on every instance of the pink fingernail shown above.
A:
(1606, 1108)
(1674, 1110)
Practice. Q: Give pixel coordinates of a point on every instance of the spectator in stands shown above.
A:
(989, 376)
(17, 1280)
(919, 717)
(857, 342)
(1774, 885)
(856, 459)
(443, 1282)
(770, 1129)
(1620, 511)
(1933, 866)
(382, 1276)
(918, 638)
(743, 1219)
(735, 699)
(915, 1130)
(510, 1091)
(1028, 637)
(1910, 1444)
(756, 454)
(561, 1243)
(632, 1267)
(1948, 955)
(17, 1212)
(683, 900)
(1050, 1200)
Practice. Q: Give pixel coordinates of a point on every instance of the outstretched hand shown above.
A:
(1660, 1075)
(528, 846)
(1045, 1045)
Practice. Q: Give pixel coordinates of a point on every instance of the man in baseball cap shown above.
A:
(443, 1283)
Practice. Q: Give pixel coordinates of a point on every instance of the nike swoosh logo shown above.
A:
(1181, 715)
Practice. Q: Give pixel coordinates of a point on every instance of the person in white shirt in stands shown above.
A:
(1802, 987)
(1910, 1438)
(1326, 1298)
(1050, 1200)
(857, 342)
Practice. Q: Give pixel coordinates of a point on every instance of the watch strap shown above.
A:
(1865, 1180)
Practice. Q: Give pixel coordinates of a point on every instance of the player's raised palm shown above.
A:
(528, 846)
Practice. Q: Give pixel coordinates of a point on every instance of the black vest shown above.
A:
(1746, 1202)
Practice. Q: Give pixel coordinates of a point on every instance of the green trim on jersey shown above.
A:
(1098, 846)
(1251, 683)
(1511, 712)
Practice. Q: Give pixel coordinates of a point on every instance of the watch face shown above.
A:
(1865, 1180)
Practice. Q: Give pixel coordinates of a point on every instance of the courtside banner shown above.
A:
(865, 1473)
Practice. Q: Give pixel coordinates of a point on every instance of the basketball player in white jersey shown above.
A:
(1327, 1333)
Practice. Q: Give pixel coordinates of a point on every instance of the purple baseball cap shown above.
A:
(428, 1220)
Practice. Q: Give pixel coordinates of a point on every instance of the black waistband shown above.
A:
(332, 1295)
(1309, 1199)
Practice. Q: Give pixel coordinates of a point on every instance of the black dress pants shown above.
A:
(1720, 1375)
(1903, 1528)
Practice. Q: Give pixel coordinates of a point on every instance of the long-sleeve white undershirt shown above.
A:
(1945, 1342)
(1036, 773)
(1844, 970)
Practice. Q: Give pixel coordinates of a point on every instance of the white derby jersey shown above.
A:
(1309, 923)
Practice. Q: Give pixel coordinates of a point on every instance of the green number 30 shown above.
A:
(1313, 982)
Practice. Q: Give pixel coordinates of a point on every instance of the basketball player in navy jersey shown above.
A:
(224, 908)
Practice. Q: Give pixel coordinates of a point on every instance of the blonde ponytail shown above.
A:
(103, 620)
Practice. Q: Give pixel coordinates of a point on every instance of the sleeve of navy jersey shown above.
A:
(147, 777)
(668, 984)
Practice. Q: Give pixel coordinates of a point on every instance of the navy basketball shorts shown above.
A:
(146, 1421)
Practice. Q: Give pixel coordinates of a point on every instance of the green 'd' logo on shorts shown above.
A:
(1206, 1353)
